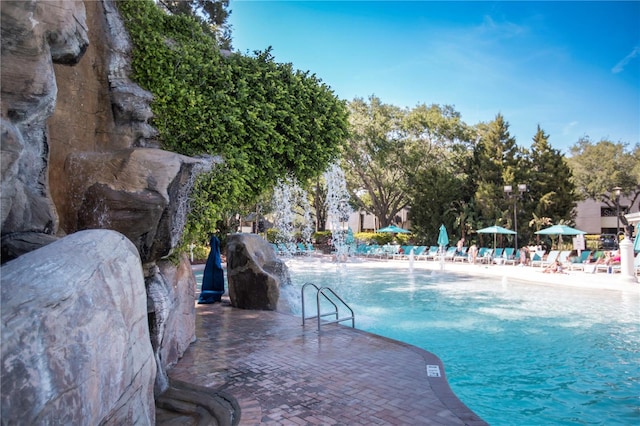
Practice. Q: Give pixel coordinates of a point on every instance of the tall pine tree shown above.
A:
(499, 163)
(552, 192)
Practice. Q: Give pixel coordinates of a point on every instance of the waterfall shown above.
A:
(292, 212)
(179, 220)
(339, 210)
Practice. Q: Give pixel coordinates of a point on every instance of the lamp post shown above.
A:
(616, 191)
(508, 190)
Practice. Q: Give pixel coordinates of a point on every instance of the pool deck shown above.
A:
(282, 373)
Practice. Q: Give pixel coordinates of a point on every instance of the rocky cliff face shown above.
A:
(78, 153)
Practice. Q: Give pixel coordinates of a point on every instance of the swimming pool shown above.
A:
(515, 353)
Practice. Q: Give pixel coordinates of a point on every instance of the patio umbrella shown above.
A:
(495, 230)
(636, 243)
(443, 238)
(394, 230)
(213, 276)
(560, 230)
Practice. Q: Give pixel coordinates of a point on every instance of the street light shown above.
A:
(508, 189)
(616, 191)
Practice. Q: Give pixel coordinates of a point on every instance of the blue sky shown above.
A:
(572, 67)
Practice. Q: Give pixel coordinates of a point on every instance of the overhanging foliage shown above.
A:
(264, 118)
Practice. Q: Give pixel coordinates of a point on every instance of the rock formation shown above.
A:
(254, 273)
(75, 341)
(78, 153)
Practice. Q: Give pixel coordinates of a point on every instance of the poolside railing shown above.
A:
(327, 294)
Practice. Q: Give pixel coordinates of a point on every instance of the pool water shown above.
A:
(515, 353)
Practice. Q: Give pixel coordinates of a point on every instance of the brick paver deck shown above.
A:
(284, 374)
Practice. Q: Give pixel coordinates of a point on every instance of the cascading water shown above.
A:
(289, 198)
(204, 165)
(339, 210)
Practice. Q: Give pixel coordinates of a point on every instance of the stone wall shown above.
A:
(78, 153)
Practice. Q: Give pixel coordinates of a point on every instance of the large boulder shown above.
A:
(171, 291)
(75, 339)
(254, 273)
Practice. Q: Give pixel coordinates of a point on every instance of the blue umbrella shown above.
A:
(636, 244)
(213, 276)
(495, 229)
(443, 238)
(394, 230)
(560, 230)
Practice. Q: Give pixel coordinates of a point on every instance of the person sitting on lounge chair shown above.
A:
(554, 268)
(615, 258)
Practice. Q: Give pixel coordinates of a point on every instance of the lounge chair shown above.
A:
(578, 263)
(461, 255)
(537, 257)
(419, 251)
(497, 255)
(361, 250)
(544, 262)
(403, 253)
(450, 253)
(374, 251)
(480, 254)
(390, 250)
(563, 257)
(446, 254)
(487, 257)
(431, 254)
(591, 267)
(508, 256)
(302, 249)
(603, 267)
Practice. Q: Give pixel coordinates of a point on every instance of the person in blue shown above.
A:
(213, 276)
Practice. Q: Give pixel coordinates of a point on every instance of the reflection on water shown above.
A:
(514, 353)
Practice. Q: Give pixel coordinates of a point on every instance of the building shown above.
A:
(595, 217)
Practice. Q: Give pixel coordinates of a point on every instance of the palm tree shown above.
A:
(538, 223)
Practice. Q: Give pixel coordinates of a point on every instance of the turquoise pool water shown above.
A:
(515, 353)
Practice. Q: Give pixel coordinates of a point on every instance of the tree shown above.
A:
(551, 188)
(499, 162)
(537, 223)
(393, 152)
(599, 167)
(372, 158)
(264, 118)
(212, 15)
(434, 197)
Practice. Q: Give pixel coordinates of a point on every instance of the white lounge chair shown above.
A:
(544, 262)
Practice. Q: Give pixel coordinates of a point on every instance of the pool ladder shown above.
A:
(327, 293)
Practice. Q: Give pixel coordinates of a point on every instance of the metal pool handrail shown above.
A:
(322, 291)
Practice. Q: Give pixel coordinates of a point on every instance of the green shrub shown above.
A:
(322, 237)
(200, 253)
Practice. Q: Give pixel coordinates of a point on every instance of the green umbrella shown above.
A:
(495, 229)
(393, 229)
(560, 230)
(443, 238)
